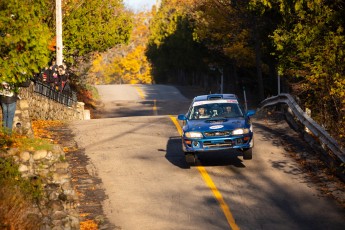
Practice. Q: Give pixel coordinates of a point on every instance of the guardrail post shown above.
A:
(308, 113)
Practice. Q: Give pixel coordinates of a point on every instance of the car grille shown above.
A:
(226, 143)
(217, 134)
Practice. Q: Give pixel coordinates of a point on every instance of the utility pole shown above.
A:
(278, 84)
(59, 46)
(221, 71)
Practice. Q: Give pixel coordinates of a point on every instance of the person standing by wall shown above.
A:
(62, 77)
(8, 99)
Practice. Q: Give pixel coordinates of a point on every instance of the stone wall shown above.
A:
(43, 108)
(58, 207)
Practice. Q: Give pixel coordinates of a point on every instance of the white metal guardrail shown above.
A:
(307, 121)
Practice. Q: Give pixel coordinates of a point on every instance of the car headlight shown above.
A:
(240, 131)
(193, 134)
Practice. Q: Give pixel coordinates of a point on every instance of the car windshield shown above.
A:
(216, 110)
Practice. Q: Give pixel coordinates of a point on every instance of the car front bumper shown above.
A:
(214, 144)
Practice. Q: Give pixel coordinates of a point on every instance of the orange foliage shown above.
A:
(52, 44)
(88, 225)
(86, 96)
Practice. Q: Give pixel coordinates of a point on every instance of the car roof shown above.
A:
(214, 97)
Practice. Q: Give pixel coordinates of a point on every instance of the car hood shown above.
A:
(216, 124)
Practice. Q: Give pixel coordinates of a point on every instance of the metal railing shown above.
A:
(68, 98)
(315, 129)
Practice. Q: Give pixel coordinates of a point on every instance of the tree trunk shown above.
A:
(258, 62)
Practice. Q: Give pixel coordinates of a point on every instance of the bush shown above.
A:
(17, 197)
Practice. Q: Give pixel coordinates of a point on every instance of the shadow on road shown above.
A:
(221, 158)
(174, 153)
(140, 108)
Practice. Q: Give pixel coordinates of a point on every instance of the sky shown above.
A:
(139, 5)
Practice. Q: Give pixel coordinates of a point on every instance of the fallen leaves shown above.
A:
(41, 128)
(69, 149)
(88, 225)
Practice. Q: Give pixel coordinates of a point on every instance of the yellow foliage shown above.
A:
(126, 64)
(133, 82)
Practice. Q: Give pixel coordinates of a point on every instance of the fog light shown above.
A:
(239, 141)
(195, 143)
(246, 138)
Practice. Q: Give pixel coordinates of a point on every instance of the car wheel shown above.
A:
(190, 158)
(247, 154)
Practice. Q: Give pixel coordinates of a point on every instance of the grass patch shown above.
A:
(11, 177)
(35, 144)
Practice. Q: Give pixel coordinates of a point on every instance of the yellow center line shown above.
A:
(142, 96)
(219, 197)
(225, 208)
(178, 126)
(154, 105)
(140, 92)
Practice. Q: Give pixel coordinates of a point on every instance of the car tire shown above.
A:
(247, 154)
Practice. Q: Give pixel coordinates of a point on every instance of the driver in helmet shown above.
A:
(202, 113)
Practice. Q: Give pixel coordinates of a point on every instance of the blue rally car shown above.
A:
(216, 122)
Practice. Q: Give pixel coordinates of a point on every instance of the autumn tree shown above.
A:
(134, 67)
(223, 27)
(237, 31)
(311, 47)
(27, 30)
(90, 26)
(189, 38)
(175, 55)
(126, 63)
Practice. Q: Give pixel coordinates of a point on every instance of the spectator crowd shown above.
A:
(56, 77)
(52, 82)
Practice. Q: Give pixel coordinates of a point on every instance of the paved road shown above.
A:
(136, 151)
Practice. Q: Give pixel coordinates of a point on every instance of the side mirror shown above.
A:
(250, 113)
(181, 117)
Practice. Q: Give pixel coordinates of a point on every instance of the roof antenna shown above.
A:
(245, 98)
